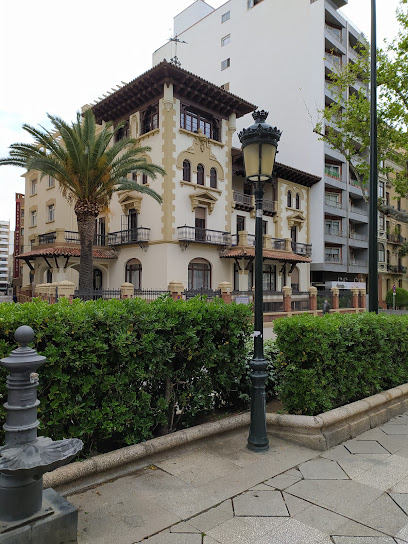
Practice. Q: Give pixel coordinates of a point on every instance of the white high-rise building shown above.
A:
(278, 54)
(4, 255)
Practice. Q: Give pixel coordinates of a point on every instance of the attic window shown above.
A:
(193, 120)
(150, 119)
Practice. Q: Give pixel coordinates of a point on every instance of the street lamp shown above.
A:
(259, 143)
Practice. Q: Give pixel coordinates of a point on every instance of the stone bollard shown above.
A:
(225, 288)
(127, 290)
(25, 458)
(176, 289)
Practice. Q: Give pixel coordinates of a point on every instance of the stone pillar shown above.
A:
(225, 287)
(60, 236)
(267, 241)
(313, 298)
(363, 298)
(287, 299)
(176, 289)
(52, 292)
(335, 298)
(288, 244)
(242, 238)
(243, 280)
(355, 293)
(66, 289)
(127, 290)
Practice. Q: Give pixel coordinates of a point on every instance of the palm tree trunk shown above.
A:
(86, 231)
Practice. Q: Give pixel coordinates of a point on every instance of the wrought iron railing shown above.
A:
(72, 237)
(396, 238)
(392, 268)
(129, 236)
(48, 238)
(202, 292)
(150, 294)
(204, 236)
(95, 294)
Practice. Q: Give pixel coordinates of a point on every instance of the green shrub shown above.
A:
(116, 370)
(401, 298)
(326, 363)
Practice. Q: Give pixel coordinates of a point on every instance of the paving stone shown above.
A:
(388, 428)
(336, 453)
(261, 487)
(401, 499)
(294, 532)
(285, 480)
(213, 517)
(364, 446)
(209, 540)
(175, 538)
(184, 527)
(260, 503)
(357, 464)
(322, 469)
(321, 519)
(382, 515)
(363, 540)
(400, 487)
(244, 530)
(353, 528)
(394, 443)
(294, 504)
(391, 471)
(372, 434)
(399, 420)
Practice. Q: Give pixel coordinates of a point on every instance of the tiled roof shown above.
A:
(65, 251)
(241, 252)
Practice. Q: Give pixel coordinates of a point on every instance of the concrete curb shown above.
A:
(319, 432)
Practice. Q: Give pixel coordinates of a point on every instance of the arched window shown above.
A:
(186, 170)
(289, 200)
(381, 253)
(49, 275)
(97, 279)
(213, 178)
(294, 279)
(269, 277)
(133, 273)
(200, 174)
(297, 201)
(199, 274)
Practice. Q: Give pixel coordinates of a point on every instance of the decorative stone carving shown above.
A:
(203, 198)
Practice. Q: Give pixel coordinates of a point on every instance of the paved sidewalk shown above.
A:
(215, 491)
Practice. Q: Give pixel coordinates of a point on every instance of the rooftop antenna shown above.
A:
(174, 60)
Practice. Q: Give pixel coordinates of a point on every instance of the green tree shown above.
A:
(90, 165)
(345, 124)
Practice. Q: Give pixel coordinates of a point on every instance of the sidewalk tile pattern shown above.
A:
(215, 491)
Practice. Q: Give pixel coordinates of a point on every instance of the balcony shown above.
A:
(302, 249)
(358, 263)
(49, 238)
(395, 238)
(333, 232)
(269, 207)
(392, 268)
(333, 259)
(140, 235)
(359, 237)
(335, 33)
(203, 236)
(242, 201)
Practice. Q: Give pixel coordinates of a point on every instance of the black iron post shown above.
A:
(259, 143)
(373, 213)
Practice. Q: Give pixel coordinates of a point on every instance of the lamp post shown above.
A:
(259, 145)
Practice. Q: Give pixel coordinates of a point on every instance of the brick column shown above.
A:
(313, 299)
(225, 287)
(287, 299)
(363, 298)
(127, 290)
(66, 289)
(355, 293)
(176, 289)
(335, 298)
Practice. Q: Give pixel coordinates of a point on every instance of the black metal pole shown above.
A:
(258, 439)
(373, 212)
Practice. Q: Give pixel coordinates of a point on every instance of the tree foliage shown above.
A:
(90, 164)
(345, 124)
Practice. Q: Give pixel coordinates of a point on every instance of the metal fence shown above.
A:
(345, 298)
(300, 302)
(209, 293)
(95, 294)
(323, 295)
(150, 294)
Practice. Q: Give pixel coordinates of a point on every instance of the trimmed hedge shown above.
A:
(401, 298)
(327, 362)
(118, 371)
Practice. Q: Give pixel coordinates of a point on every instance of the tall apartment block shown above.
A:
(4, 255)
(18, 243)
(279, 57)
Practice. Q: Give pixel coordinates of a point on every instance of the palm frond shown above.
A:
(127, 185)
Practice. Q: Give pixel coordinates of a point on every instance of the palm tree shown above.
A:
(89, 166)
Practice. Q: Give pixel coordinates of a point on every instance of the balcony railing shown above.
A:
(355, 209)
(356, 236)
(334, 204)
(333, 32)
(302, 249)
(129, 236)
(396, 238)
(333, 232)
(392, 268)
(204, 236)
(334, 259)
(358, 263)
(243, 200)
(72, 237)
(269, 207)
(48, 238)
(332, 173)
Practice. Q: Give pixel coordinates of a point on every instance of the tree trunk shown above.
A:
(86, 213)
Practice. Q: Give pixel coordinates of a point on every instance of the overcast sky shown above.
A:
(57, 55)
